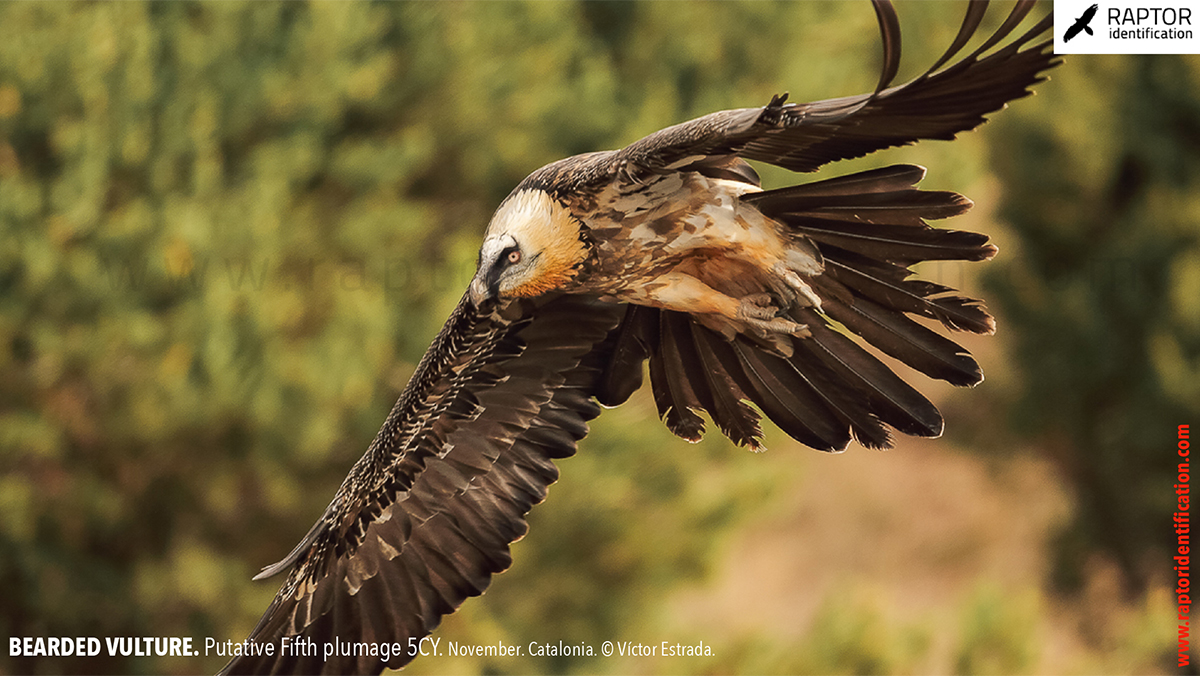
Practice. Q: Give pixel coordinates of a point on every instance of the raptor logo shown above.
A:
(1082, 23)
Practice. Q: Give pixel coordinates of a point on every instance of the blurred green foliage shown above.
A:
(229, 231)
(998, 633)
(1102, 294)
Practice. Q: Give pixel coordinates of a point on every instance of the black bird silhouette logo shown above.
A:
(1081, 24)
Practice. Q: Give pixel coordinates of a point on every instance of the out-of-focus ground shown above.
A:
(908, 556)
(918, 540)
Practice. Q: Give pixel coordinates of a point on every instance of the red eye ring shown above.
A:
(514, 257)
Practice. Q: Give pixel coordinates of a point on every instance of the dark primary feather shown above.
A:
(623, 374)
(737, 421)
(675, 387)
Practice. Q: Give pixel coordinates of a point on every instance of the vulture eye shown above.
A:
(514, 257)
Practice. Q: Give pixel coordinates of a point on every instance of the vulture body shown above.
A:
(667, 251)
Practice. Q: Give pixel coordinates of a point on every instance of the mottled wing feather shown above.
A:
(937, 105)
(426, 517)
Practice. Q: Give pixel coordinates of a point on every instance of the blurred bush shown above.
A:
(1102, 295)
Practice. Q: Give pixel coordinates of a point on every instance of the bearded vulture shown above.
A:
(669, 252)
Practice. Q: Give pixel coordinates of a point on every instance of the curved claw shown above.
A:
(759, 313)
(796, 287)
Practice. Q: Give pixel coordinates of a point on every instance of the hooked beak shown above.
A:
(479, 291)
(486, 284)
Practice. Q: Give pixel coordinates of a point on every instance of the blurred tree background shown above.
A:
(229, 231)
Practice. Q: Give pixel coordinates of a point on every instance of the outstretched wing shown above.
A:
(869, 227)
(936, 105)
(426, 517)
